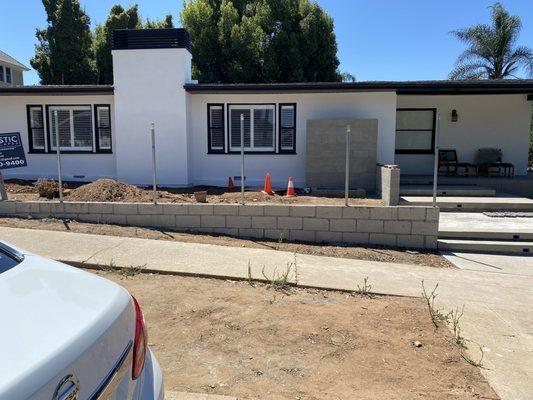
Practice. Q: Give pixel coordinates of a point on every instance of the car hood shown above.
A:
(50, 315)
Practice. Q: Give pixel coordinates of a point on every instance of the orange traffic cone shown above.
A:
(268, 185)
(230, 184)
(290, 188)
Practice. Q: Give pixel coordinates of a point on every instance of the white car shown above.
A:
(66, 334)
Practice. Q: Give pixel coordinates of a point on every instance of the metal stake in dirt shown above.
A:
(154, 170)
(436, 161)
(347, 177)
(58, 153)
(242, 158)
(3, 191)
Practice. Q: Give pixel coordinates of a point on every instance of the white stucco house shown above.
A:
(104, 130)
(11, 71)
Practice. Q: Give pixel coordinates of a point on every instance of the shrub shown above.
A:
(47, 188)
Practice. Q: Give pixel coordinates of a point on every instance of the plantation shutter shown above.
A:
(287, 127)
(264, 128)
(236, 127)
(36, 128)
(103, 119)
(74, 125)
(216, 128)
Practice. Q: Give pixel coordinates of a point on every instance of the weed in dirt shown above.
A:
(435, 314)
(250, 279)
(476, 363)
(111, 267)
(454, 318)
(132, 270)
(280, 240)
(46, 188)
(126, 271)
(365, 290)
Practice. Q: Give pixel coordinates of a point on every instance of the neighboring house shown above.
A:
(104, 130)
(11, 71)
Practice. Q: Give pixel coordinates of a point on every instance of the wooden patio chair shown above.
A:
(490, 161)
(448, 160)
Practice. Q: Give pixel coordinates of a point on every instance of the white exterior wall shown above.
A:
(497, 121)
(149, 88)
(214, 169)
(13, 118)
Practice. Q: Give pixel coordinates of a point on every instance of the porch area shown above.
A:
(470, 193)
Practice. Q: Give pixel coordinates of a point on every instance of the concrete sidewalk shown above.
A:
(498, 306)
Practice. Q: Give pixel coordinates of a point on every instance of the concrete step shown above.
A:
(470, 203)
(447, 190)
(487, 235)
(486, 246)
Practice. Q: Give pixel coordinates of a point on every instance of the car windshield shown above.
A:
(8, 258)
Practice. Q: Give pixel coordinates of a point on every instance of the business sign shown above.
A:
(11, 151)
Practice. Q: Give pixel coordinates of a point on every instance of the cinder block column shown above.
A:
(388, 182)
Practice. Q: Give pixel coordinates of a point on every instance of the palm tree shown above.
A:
(492, 52)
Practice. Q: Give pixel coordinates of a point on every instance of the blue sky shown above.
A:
(378, 39)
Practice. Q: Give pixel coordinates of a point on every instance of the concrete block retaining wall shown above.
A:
(409, 227)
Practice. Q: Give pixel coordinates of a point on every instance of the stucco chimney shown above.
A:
(150, 67)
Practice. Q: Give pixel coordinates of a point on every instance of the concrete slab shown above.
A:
(497, 203)
(486, 246)
(504, 264)
(446, 190)
(480, 226)
(498, 305)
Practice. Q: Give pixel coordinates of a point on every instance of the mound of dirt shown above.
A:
(109, 190)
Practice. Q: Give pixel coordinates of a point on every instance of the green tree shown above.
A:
(261, 41)
(119, 18)
(492, 52)
(168, 22)
(64, 52)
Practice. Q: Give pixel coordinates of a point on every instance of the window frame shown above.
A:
(210, 150)
(2, 74)
(418, 151)
(252, 106)
(10, 80)
(96, 129)
(293, 150)
(50, 148)
(30, 129)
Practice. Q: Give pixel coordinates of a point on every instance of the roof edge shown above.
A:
(58, 89)
(401, 88)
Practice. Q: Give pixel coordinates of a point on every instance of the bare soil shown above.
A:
(403, 256)
(115, 191)
(229, 338)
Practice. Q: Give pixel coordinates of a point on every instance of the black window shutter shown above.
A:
(287, 128)
(215, 128)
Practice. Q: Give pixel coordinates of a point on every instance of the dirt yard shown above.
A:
(229, 338)
(111, 190)
(355, 252)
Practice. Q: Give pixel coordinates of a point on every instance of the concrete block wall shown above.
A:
(326, 153)
(406, 227)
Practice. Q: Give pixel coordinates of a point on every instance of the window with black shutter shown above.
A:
(103, 127)
(287, 128)
(215, 128)
(36, 128)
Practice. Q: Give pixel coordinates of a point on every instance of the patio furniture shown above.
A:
(448, 160)
(490, 161)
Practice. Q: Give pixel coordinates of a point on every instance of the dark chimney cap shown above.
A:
(169, 38)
